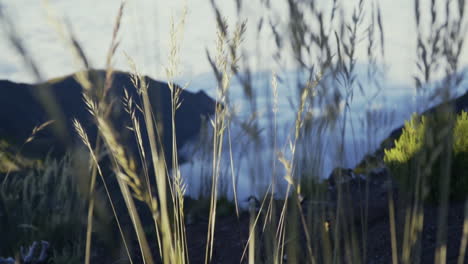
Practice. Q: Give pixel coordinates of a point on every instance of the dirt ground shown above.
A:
(231, 233)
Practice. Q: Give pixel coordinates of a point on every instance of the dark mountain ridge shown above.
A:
(21, 112)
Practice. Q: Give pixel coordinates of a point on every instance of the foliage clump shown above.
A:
(417, 152)
(42, 205)
(460, 157)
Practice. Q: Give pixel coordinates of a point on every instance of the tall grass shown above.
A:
(305, 225)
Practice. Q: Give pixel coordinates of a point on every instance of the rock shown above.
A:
(365, 198)
(21, 112)
(9, 260)
(341, 176)
(35, 254)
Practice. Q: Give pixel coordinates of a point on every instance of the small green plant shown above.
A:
(407, 157)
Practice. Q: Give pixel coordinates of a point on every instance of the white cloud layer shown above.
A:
(146, 29)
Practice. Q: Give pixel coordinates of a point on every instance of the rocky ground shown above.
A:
(375, 201)
(367, 208)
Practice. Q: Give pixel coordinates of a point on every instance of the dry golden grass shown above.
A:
(326, 49)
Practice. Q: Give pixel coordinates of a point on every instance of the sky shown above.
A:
(145, 35)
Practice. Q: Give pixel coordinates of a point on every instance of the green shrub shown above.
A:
(459, 181)
(42, 204)
(413, 154)
(402, 158)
